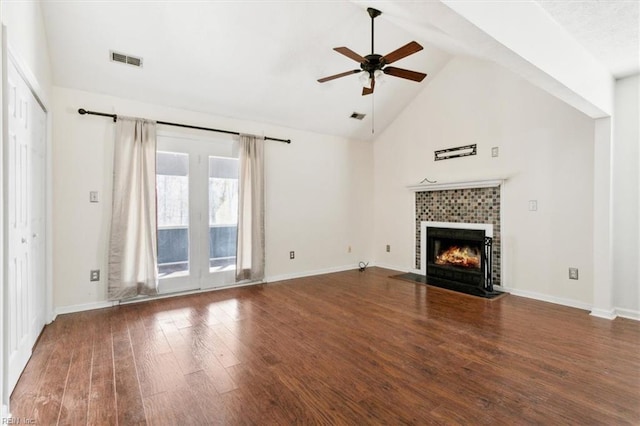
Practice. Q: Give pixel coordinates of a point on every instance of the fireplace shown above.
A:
(458, 254)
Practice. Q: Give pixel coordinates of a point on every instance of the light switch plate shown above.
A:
(93, 196)
(495, 151)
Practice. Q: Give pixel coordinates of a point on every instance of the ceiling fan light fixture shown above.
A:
(365, 80)
(379, 76)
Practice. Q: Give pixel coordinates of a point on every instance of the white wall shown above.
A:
(27, 40)
(318, 194)
(546, 149)
(626, 197)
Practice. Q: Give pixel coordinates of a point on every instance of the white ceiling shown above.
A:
(259, 61)
(608, 29)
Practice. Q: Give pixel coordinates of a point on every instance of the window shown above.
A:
(223, 212)
(172, 186)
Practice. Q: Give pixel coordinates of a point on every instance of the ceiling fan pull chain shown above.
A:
(373, 114)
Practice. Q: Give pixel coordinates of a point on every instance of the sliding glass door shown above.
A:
(197, 193)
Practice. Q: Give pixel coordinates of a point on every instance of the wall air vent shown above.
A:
(125, 59)
(357, 115)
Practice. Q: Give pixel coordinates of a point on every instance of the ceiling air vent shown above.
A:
(357, 115)
(126, 59)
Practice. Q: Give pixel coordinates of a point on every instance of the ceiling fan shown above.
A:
(375, 65)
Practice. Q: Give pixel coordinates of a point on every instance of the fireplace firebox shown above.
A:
(459, 256)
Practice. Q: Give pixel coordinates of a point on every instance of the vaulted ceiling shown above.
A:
(259, 61)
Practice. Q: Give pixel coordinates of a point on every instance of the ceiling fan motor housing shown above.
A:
(373, 63)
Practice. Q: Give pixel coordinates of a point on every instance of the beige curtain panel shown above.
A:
(133, 261)
(250, 249)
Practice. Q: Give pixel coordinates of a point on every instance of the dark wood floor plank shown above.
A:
(159, 373)
(211, 403)
(204, 338)
(102, 396)
(76, 396)
(26, 391)
(51, 391)
(129, 404)
(174, 407)
(346, 348)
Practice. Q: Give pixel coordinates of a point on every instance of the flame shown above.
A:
(454, 255)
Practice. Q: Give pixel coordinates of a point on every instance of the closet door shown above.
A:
(25, 214)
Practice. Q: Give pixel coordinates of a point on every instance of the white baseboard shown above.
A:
(109, 303)
(547, 298)
(603, 313)
(82, 307)
(600, 313)
(628, 313)
(392, 267)
(294, 275)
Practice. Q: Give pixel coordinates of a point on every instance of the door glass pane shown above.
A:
(172, 180)
(223, 213)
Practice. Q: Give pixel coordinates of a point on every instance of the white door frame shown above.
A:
(4, 398)
(10, 55)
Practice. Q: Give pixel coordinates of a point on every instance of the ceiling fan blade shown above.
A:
(366, 90)
(404, 51)
(342, 74)
(402, 73)
(350, 54)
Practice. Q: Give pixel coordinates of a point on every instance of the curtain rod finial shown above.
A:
(82, 111)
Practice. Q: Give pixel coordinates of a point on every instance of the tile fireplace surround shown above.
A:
(465, 205)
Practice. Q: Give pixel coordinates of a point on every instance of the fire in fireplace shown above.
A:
(460, 256)
(465, 257)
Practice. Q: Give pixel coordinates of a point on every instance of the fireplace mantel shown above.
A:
(443, 186)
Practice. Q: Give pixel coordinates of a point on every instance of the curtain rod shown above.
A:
(83, 111)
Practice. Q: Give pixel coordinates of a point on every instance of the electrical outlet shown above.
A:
(495, 151)
(573, 273)
(94, 275)
(388, 248)
(292, 255)
(533, 205)
(93, 196)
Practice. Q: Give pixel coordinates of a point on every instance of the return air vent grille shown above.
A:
(126, 59)
(357, 115)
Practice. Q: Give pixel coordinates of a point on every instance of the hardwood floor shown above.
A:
(344, 348)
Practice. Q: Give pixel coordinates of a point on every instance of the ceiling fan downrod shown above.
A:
(373, 13)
